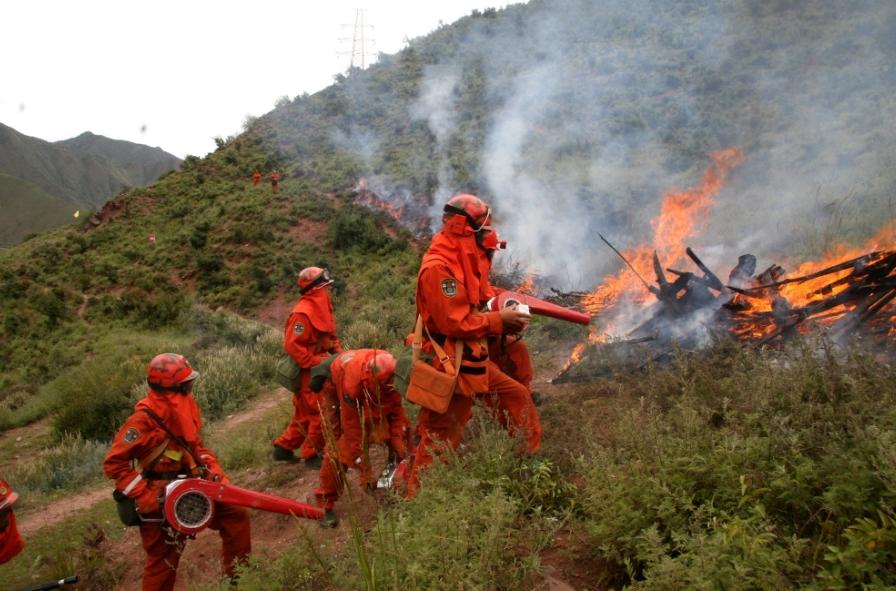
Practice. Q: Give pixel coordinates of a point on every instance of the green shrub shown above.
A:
(741, 470)
(230, 376)
(463, 529)
(68, 465)
(94, 398)
(351, 227)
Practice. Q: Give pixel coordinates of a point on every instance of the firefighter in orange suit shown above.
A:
(370, 411)
(452, 286)
(256, 178)
(275, 181)
(10, 540)
(309, 338)
(146, 456)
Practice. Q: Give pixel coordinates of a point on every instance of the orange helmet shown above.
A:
(312, 278)
(170, 372)
(7, 495)
(471, 207)
(381, 367)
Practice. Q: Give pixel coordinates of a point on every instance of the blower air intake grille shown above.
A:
(193, 509)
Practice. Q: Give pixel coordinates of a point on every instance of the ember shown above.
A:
(403, 207)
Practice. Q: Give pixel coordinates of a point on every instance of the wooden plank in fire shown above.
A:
(749, 291)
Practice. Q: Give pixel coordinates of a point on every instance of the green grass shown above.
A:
(75, 546)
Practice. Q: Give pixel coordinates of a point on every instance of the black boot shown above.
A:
(314, 462)
(330, 520)
(281, 454)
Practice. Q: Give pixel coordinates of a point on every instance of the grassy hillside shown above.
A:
(28, 209)
(205, 234)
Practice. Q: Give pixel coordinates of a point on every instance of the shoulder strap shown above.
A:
(417, 345)
(154, 456)
(179, 440)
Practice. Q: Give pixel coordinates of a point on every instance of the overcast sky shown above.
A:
(175, 74)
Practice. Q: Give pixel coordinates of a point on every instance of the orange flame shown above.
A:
(682, 215)
(804, 293)
(527, 286)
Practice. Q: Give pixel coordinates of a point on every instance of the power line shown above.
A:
(360, 41)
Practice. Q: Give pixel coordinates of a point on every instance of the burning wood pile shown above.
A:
(688, 306)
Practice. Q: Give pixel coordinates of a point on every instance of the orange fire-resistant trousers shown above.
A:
(304, 429)
(163, 550)
(511, 402)
(514, 359)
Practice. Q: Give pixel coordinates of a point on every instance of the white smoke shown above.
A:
(436, 106)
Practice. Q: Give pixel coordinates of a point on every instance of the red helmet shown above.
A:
(471, 207)
(312, 278)
(169, 372)
(7, 495)
(381, 367)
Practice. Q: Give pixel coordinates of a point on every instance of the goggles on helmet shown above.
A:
(322, 279)
(476, 227)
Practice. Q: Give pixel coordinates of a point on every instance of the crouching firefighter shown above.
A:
(158, 443)
(370, 412)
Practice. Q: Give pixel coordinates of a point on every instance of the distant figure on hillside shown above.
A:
(256, 178)
(161, 442)
(361, 382)
(10, 541)
(452, 286)
(275, 181)
(309, 337)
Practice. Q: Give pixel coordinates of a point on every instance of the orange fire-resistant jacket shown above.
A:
(451, 286)
(370, 413)
(309, 336)
(155, 452)
(10, 540)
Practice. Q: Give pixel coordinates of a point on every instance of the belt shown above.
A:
(467, 352)
(153, 475)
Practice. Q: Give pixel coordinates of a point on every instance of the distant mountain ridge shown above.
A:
(142, 163)
(76, 174)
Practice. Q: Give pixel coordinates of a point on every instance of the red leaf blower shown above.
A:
(190, 503)
(536, 306)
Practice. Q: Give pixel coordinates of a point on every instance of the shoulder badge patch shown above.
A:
(298, 328)
(449, 287)
(131, 435)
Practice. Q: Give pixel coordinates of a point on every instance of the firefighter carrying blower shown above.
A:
(309, 337)
(162, 440)
(452, 289)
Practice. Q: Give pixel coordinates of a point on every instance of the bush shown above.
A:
(743, 470)
(463, 529)
(70, 464)
(95, 397)
(351, 227)
(232, 375)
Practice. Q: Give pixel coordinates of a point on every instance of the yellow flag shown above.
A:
(78, 213)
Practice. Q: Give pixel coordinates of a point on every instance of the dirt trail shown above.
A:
(53, 513)
(565, 568)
